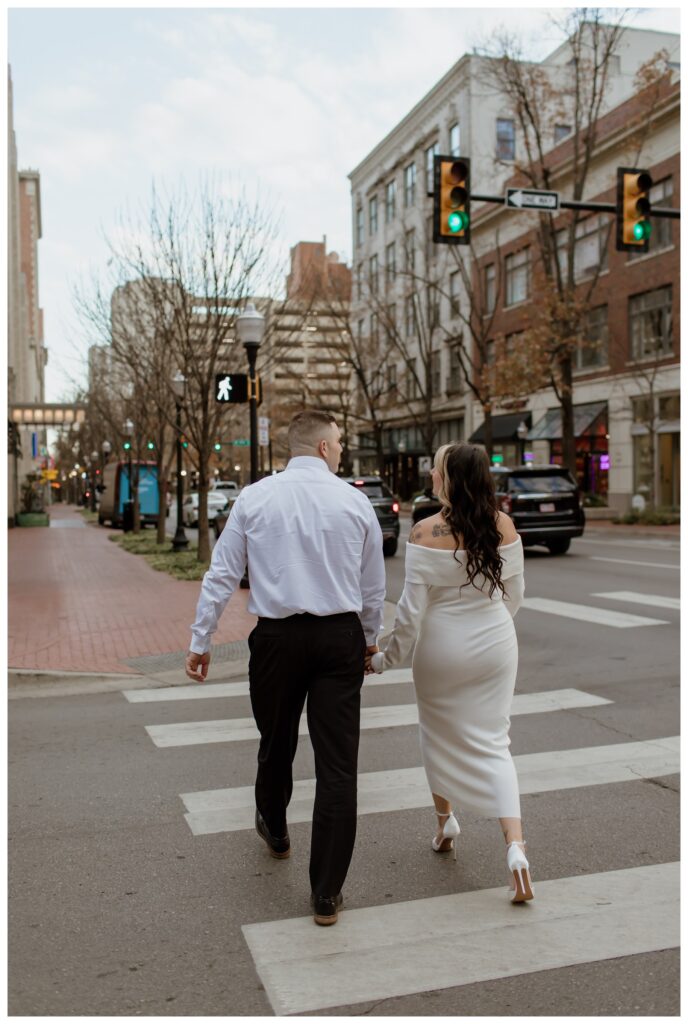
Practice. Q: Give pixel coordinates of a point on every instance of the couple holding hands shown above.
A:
(314, 547)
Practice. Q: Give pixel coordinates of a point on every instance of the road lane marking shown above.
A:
(633, 597)
(379, 952)
(232, 810)
(598, 616)
(628, 561)
(228, 730)
(205, 691)
(659, 544)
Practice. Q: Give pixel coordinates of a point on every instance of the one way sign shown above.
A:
(531, 199)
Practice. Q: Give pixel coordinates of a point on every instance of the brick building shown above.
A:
(626, 366)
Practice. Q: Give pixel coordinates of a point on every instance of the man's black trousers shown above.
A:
(319, 659)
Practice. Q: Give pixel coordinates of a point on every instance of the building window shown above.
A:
(430, 154)
(433, 298)
(591, 247)
(489, 353)
(373, 327)
(661, 237)
(454, 140)
(592, 349)
(359, 281)
(359, 226)
(412, 378)
(390, 262)
(373, 274)
(390, 201)
(669, 407)
(649, 317)
(392, 378)
(391, 322)
(372, 215)
(490, 287)
(517, 274)
(454, 280)
(506, 139)
(361, 329)
(410, 185)
(410, 250)
(561, 131)
(410, 317)
(455, 378)
(436, 372)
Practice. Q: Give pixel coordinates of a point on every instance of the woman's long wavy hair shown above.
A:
(467, 494)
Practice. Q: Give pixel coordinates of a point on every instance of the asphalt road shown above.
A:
(118, 907)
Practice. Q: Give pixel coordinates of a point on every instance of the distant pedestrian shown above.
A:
(316, 570)
(464, 584)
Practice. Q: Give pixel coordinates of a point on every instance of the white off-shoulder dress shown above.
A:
(464, 672)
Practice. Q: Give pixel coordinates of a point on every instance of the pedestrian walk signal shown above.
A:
(633, 209)
(452, 200)
(231, 387)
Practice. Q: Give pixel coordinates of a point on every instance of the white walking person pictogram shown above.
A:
(223, 388)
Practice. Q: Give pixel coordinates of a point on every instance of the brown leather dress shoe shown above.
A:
(279, 848)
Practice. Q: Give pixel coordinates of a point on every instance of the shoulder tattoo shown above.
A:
(441, 530)
(414, 535)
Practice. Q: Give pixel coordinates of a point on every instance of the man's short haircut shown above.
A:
(308, 428)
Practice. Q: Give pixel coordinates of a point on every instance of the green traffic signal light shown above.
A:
(217, 446)
(642, 230)
(150, 446)
(127, 446)
(457, 221)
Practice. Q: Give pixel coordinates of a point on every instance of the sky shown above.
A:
(284, 101)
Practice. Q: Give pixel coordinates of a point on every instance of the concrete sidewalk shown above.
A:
(79, 603)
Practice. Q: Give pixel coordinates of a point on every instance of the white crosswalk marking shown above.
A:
(654, 600)
(229, 730)
(207, 691)
(232, 810)
(598, 616)
(628, 561)
(421, 945)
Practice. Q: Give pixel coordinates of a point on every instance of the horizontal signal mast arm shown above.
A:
(574, 204)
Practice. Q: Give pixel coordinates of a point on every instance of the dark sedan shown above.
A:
(386, 508)
(544, 502)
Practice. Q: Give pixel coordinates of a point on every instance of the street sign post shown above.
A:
(532, 199)
(263, 431)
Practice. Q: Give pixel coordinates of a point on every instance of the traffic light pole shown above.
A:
(180, 541)
(575, 204)
(251, 352)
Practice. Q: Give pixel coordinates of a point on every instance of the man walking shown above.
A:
(316, 569)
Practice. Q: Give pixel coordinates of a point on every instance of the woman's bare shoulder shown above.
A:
(433, 532)
(506, 528)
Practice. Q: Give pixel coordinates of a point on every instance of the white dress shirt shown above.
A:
(313, 544)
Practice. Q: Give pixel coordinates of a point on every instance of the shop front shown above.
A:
(591, 429)
(509, 433)
(406, 461)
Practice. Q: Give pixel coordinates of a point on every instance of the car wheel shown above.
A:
(559, 547)
(389, 547)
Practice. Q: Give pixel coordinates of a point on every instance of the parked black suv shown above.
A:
(386, 508)
(543, 501)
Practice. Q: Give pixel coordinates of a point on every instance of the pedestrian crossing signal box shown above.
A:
(236, 388)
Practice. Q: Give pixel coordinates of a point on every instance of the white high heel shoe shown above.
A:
(519, 867)
(450, 831)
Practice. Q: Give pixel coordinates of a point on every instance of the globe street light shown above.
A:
(250, 328)
(180, 541)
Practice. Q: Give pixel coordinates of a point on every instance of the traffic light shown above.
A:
(218, 446)
(127, 446)
(150, 446)
(452, 200)
(185, 443)
(633, 207)
(231, 387)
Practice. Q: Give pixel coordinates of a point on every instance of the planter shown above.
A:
(33, 519)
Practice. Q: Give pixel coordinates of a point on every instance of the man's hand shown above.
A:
(197, 666)
(370, 651)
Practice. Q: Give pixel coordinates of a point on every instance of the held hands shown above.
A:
(197, 666)
(370, 651)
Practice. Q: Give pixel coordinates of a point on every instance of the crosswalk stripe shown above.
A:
(446, 941)
(232, 810)
(598, 616)
(628, 561)
(654, 600)
(228, 730)
(205, 691)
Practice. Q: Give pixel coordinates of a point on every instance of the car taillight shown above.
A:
(505, 504)
(395, 506)
(359, 483)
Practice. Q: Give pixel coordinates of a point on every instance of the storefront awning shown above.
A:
(504, 428)
(549, 427)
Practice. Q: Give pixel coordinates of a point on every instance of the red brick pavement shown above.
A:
(79, 603)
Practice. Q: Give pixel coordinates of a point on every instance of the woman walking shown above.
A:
(464, 584)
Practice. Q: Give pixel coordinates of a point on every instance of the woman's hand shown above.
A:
(370, 651)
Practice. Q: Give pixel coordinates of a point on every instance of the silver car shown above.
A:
(217, 502)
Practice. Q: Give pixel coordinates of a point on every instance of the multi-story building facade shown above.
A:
(626, 373)
(396, 266)
(27, 355)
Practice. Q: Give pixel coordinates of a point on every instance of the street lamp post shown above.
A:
(128, 516)
(94, 465)
(250, 328)
(180, 541)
